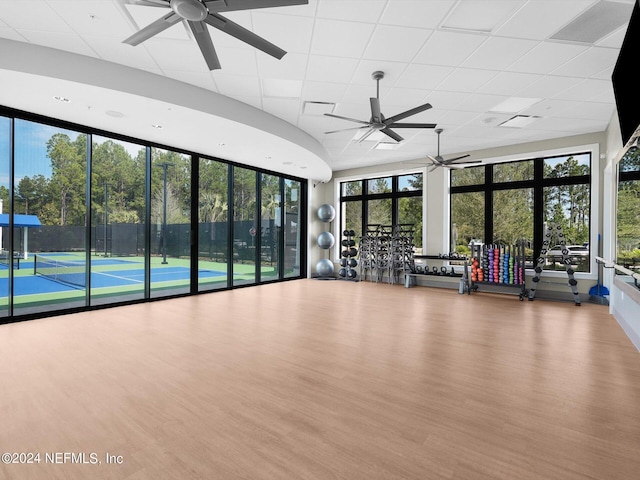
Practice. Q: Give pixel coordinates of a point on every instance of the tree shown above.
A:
(68, 164)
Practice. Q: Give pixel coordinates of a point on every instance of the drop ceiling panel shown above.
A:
(395, 43)
(323, 92)
(498, 53)
(466, 80)
(341, 39)
(367, 11)
(292, 66)
(175, 54)
(589, 63)
(423, 76)
(122, 53)
(416, 13)
(11, 34)
(238, 85)
(508, 83)
(392, 71)
(449, 48)
(546, 57)
(588, 90)
(292, 34)
(549, 86)
(540, 19)
(331, 69)
(481, 16)
(42, 16)
(92, 17)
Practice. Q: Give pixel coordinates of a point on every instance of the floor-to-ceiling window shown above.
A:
(118, 211)
(511, 202)
(292, 228)
(6, 255)
(628, 211)
(213, 224)
(49, 237)
(170, 259)
(90, 218)
(245, 225)
(270, 226)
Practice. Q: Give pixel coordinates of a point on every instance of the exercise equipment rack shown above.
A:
(551, 232)
(386, 251)
(498, 269)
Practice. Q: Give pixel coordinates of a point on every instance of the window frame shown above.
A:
(538, 183)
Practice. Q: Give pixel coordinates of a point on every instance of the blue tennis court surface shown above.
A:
(34, 284)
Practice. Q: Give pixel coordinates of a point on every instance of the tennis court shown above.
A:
(56, 273)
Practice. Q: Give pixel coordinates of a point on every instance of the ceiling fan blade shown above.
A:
(366, 134)
(408, 113)
(376, 116)
(201, 34)
(434, 167)
(234, 5)
(346, 118)
(451, 160)
(244, 35)
(346, 129)
(412, 125)
(152, 29)
(392, 134)
(454, 166)
(151, 3)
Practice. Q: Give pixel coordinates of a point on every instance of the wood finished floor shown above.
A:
(325, 380)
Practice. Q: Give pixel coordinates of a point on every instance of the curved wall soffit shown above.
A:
(52, 63)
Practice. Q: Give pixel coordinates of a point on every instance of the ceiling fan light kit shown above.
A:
(197, 14)
(378, 122)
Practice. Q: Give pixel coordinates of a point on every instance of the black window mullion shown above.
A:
(147, 226)
(488, 204)
(194, 235)
(230, 224)
(258, 226)
(280, 228)
(88, 223)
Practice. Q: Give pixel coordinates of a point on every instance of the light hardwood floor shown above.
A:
(324, 380)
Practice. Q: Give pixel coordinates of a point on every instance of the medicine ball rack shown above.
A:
(348, 262)
(498, 269)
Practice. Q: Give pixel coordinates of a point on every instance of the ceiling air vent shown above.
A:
(595, 23)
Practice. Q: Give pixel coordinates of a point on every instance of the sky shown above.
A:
(31, 148)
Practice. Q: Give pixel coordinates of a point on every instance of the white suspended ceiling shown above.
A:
(464, 57)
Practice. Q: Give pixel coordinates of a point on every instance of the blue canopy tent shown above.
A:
(22, 221)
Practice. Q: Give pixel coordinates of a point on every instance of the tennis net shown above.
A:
(70, 272)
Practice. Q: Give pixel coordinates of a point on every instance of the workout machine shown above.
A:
(555, 231)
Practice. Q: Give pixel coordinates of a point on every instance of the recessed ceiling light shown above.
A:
(287, 163)
(519, 121)
(62, 99)
(155, 125)
(114, 113)
(387, 146)
(317, 108)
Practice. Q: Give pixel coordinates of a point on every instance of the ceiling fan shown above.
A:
(438, 161)
(197, 14)
(378, 123)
